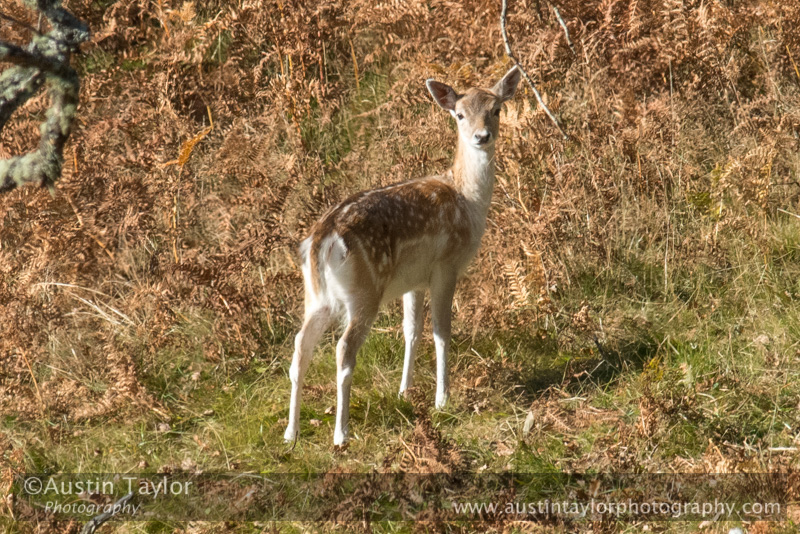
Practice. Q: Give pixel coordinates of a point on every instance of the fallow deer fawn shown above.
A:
(399, 240)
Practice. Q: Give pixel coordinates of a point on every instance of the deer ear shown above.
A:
(443, 94)
(506, 87)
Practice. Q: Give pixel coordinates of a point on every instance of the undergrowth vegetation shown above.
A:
(636, 297)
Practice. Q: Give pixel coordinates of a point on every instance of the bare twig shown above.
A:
(600, 348)
(30, 28)
(524, 73)
(18, 23)
(564, 26)
(789, 213)
(92, 526)
(791, 57)
(42, 405)
(355, 63)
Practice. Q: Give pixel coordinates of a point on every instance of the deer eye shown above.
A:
(459, 116)
(497, 112)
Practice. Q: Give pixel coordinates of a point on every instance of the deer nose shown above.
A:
(482, 137)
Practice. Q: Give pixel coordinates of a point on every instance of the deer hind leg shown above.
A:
(413, 317)
(359, 323)
(443, 285)
(314, 325)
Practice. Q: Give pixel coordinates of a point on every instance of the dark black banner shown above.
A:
(540, 497)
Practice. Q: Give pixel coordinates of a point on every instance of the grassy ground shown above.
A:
(635, 307)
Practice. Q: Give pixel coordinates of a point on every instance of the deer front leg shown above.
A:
(413, 316)
(442, 289)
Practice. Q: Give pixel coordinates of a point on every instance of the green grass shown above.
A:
(694, 360)
(98, 61)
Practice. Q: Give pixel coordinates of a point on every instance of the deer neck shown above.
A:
(473, 175)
